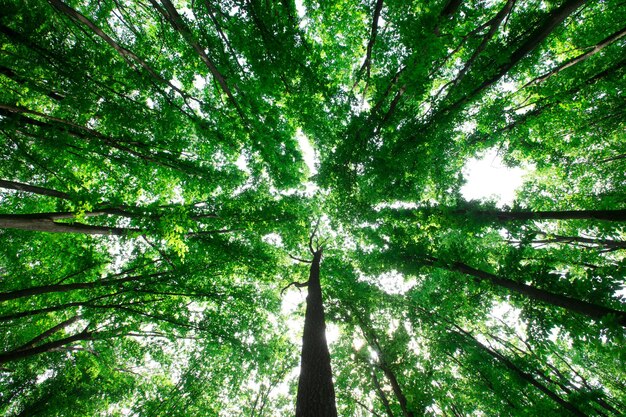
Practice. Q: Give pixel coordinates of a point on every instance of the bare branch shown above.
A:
(313, 233)
(295, 284)
(295, 258)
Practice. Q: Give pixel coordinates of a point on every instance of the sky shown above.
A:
(489, 177)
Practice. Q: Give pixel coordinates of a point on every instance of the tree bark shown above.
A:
(607, 243)
(46, 347)
(451, 7)
(395, 386)
(539, 35)
(43, 336)
(171, 14)
(506, 216)
(45, 289)
(596, 48)
(47, 224)
(316, 392)
(608, 215)
(12, 185)
(582, 307)
(383, 365)
(381, 394)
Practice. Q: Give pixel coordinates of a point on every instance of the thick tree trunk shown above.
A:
(582, 307)
(316, 393)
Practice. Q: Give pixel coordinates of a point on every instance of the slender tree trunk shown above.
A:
(397, 390)
(46, 347)
(12, 185)
(45, 289)
(381, 394)
(618, 215)
(608, 243)
(609, 215)
(582, 307)
(316, 393)
(597, 48)
(383, 365)
(554, 19)
(46, 224)
(451, 7)
(43, 336)
(526, 376)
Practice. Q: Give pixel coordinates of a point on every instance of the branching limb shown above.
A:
(367, 63)
(313, 233)
(295, 258)
(295, 284)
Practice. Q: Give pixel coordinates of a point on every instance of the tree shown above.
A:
(157, 199)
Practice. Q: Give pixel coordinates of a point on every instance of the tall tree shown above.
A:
(162, 161)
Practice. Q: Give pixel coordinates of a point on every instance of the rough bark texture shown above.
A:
(316, 393)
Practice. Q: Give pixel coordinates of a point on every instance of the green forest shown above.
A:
(254, 208)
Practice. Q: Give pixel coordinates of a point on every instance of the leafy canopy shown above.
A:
(155, 201)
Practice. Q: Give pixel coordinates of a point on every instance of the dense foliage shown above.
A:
(155, 201)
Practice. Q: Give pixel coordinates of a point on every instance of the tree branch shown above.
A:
(295, 284)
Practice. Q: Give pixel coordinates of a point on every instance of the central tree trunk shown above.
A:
(316, 393)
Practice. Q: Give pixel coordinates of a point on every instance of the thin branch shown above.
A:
(295, 284)
(594, 50)
(313, 235)
(367, 63)
(295, 258)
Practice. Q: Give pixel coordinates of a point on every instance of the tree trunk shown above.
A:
(554, 19)
(33, 189)
(47, 224)
(46, 347)
(582, 307)
(607, 243)
(397, 390)
(316, 393)
(43, 336)
(609, 215)
(45, 289)
(381, 394)
(383, 365)
(526, 376)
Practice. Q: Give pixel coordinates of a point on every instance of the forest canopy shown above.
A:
(174, 173)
